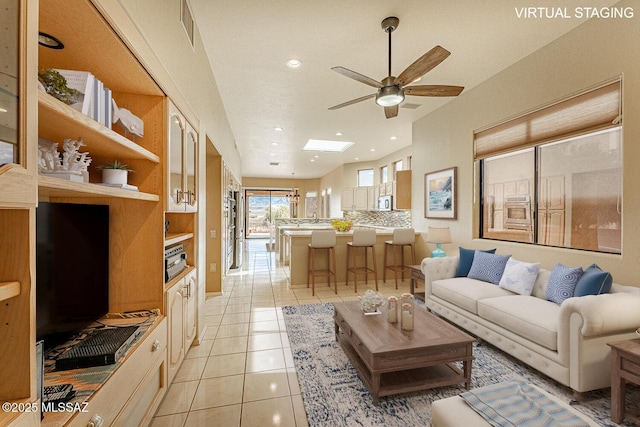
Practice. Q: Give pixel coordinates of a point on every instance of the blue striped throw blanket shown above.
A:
(518, 404)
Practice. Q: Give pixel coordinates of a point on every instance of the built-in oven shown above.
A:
(517, 213)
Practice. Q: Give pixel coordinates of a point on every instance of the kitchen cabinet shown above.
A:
(551, 211)
(181, 314)
(354, 199)
(402, 193)
(181, 163)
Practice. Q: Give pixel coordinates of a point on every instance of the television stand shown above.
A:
(101, 347)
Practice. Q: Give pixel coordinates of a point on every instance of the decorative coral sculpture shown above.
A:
(371, 301)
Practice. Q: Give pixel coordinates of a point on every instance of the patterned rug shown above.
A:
(334, 395)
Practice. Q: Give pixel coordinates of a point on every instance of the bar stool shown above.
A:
(401, 237)
(362, 238)
(322, 240)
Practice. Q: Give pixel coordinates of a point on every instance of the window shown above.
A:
(397, 166)
(311, 204)
(384, 176)
(553, 177)
(365, 177)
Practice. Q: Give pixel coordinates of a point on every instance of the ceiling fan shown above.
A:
(391, 90)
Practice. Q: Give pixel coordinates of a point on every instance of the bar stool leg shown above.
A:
(366, 265)
(347, 275)
(335, 279)
(395, 264)
(384, 264)
(375, 268)
(402, 261)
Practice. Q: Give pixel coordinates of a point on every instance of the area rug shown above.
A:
(334, 395)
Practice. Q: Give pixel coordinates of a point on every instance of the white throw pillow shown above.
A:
(519, 277)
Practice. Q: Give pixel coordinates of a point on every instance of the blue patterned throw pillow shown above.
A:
(562, 283)
(593, 281)
(488, 267)
(466, 259)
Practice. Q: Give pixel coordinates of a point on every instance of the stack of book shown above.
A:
(92, 98)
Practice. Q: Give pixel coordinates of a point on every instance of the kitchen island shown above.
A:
(295, 246)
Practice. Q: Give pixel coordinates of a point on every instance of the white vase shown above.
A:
(114, 176)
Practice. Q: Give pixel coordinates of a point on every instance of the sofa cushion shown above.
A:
(562, 282)
(488, 267)
(466, 259)
(465, 292)
(519, 277)
(593, 281)
(529, 317)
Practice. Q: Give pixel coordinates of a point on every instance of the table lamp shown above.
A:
(438, 236)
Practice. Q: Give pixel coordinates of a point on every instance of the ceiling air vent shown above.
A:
(274, 164)
(187, 20)
(410, 106)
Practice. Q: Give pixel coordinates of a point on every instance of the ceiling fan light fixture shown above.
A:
(389, 96)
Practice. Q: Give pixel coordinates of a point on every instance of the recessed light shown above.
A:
(274, 143)
(338, 133)
(278, 129)
(356, 158)
(393, 138)
(316, 156)
(272, 154)
(373, 149)
(49, 41)
(294, 63)
(3, 110)
(313, 160)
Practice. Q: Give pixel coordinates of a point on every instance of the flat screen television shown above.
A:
(72, 269)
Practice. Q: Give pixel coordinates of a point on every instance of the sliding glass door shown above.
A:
(263, 207)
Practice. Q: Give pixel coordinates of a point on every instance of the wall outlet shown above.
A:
(212, 234)
(213, 267)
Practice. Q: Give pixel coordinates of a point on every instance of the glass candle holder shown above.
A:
(392, 312)
(406, 312)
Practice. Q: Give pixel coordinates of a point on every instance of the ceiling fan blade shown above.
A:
(433, 90)
(353, 101)
(422, 65)
(391, 112)
(357, 76)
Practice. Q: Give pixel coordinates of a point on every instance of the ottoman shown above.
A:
(455, 412)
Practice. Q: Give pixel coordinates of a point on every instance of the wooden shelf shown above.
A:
(55, 187)
(9, 290)
(173, 238)
(57, 121)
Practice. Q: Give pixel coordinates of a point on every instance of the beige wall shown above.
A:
(594, 52)
(190, 82)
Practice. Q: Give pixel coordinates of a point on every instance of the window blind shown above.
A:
(595, 109)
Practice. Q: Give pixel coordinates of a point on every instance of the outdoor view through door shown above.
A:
(263, 207)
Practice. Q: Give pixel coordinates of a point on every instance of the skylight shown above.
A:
(327, 146)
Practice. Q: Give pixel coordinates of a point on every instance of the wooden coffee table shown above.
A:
(392, 361)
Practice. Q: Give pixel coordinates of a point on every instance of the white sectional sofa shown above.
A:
(567, 342)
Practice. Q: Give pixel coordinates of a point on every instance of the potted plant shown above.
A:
(115, 172)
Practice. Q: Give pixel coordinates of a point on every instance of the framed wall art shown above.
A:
(440, 194)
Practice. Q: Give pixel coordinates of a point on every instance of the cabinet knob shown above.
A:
(155, 346)
(95, 421)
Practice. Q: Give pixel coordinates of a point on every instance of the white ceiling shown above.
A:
(248, 42)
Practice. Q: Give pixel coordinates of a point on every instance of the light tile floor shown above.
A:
(242, 374)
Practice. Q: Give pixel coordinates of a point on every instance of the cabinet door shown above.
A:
(175, 315)
(191, 169)
(360, 198)
(372, 200)
(191, 287)
(555, 192)
(175, 162)
(346, 199)
(555, 228)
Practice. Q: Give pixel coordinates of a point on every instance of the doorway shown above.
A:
(263, 207)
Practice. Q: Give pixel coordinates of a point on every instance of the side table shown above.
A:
(416, 276)
(625, 366)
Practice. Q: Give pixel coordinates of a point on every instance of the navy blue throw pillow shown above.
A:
(593, 281)
(466, 259)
